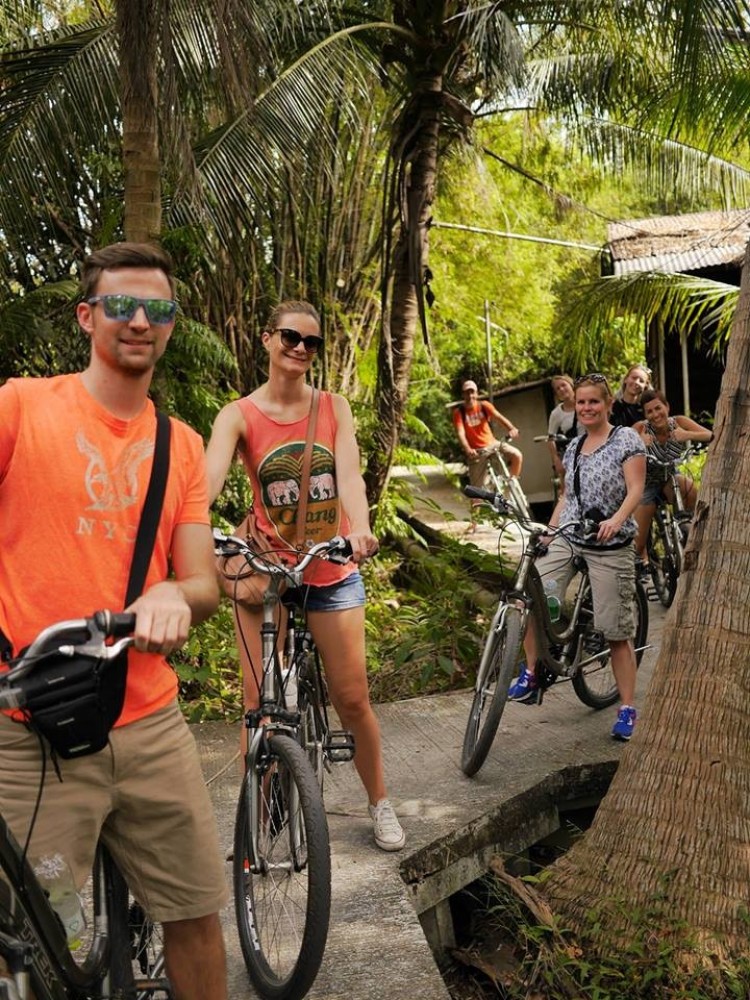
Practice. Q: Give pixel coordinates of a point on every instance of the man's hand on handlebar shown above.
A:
(163, 618)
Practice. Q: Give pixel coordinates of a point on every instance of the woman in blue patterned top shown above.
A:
(605, 469)
(665, 438)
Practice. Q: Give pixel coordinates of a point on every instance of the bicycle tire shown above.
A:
(283, 911)
(595, 683)
(136, 968)
(498, 665)
(661, 561)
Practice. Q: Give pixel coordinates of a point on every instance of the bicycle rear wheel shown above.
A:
(594, 682)
(661, 561)
(497, 667)
(283, 909)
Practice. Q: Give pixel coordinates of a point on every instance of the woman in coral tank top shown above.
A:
(269, 429)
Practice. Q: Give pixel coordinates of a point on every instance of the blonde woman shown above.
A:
(604, 476)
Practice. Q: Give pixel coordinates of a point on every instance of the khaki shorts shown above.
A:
(144, 792)
(612, 576)
(477, 467)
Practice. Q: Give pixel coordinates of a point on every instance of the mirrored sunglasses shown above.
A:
(292, 338)
(124, 307)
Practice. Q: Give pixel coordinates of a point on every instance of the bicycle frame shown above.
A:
(38, 929)
(503, 481)
(673, 515)
(31, 934)
(527, 595)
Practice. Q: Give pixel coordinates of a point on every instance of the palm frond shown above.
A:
(700, 307)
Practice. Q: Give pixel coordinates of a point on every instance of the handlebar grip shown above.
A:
(480, 494)
(341, 550)
(115, 625)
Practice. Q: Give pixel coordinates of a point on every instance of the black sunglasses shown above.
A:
(124, 307)
(292, 338)
(594, 377)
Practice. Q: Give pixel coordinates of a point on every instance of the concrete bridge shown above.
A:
(389, 911)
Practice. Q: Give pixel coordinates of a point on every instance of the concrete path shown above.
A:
(377, 947)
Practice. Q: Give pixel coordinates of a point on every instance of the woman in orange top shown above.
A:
(269, 427)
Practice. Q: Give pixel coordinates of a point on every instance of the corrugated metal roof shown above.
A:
(675, 263)
(679, 243)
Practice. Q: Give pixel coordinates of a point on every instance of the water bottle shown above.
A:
(551, 589)
(56, 879)
(290, 688)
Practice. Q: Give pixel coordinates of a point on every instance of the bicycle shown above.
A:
(281, 866)
(668, 532)
(501, 479)
(120, 958)
(558, 439)
(567, 649)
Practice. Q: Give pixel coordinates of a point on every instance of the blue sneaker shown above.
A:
(623, 728)
(525, 688)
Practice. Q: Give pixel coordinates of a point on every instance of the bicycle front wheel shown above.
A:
(283, 908)
(496, 670)
(137, 969)
(661, 561)
(594, 681)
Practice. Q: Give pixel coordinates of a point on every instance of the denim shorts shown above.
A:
(347, 593)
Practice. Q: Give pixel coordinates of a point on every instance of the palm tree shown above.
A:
(673, 826)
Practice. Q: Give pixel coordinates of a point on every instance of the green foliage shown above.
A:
(660, 957)
(208, 670)
(424, 641)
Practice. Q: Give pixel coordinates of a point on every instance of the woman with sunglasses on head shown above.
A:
(605, 468)
(626, 408)
(665, 437)
(269, 429)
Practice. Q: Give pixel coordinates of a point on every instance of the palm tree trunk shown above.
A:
(418, 141)
(138, 32)
(675, 825)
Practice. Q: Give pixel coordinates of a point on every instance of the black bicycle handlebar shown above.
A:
(557, 438)
(74, 637)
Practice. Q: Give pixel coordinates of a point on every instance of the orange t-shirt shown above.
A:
(73, 479)
(272, 455)
(476, 423)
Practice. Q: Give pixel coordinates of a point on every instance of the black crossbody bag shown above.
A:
(75, 701)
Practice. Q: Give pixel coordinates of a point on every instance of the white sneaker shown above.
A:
(388, 833)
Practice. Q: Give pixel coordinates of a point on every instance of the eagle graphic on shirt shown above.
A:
(113, 489)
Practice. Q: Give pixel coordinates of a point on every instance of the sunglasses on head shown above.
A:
(596, 378)
(292, 338)
(124, 307)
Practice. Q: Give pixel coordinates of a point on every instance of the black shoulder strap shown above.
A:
(576, 473)
(151, 513)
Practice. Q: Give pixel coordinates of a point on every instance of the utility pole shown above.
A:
(488, 338)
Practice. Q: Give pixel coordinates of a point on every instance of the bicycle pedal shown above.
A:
(338, 746)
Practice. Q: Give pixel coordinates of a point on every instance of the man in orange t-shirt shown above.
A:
(474, 430)
(75, 460)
